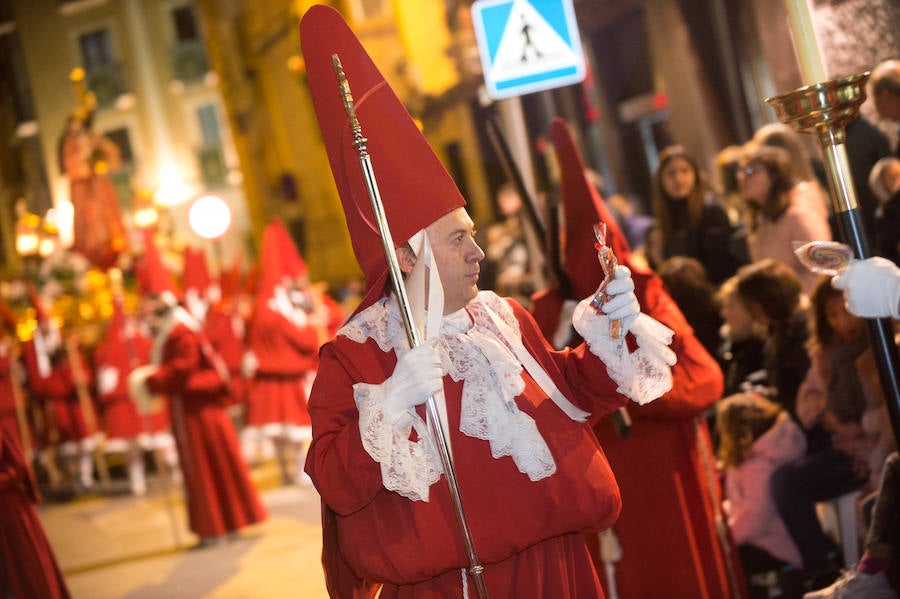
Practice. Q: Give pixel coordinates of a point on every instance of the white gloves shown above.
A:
(871, 287)
(417, 376)
(621, 304)
(249, 364)
(147, 403)
(107, 379)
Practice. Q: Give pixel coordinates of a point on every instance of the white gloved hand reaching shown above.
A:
(417, 376)
(621, 303)
(871, 288)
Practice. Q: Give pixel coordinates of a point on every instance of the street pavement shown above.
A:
(124, 547)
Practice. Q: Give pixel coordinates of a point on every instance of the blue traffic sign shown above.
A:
(527, 45)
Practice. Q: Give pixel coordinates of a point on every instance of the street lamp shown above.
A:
(28, 238)
(145, 214)
(210, 218)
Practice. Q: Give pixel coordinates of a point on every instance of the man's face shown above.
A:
(457, 256)
(887, 105)
(153, 312)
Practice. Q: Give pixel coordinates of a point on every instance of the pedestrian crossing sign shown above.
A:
(527, 45)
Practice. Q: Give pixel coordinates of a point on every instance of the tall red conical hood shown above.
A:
(154, 277)
(583, 208)
(292, 264)
(279, 259)
(230, 280)
(196, 274)
(415, 187)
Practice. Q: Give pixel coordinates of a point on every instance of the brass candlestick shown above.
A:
(825, 109)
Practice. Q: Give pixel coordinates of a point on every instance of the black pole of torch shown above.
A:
(826, 108)
(475, 569)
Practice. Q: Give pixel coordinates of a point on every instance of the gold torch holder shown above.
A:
(825, 109)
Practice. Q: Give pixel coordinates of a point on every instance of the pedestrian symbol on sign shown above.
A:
(526, 33)
(527, 45)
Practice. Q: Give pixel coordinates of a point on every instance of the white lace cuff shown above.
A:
(407, 467)
(642, 375)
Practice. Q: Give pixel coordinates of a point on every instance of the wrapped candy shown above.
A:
(608, 262)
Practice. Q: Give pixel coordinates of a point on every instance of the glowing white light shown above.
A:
(63, 217)
(209, 217)
(172, 188)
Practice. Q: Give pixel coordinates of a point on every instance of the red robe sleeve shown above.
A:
(281, 347)
(184, 371)
(697, 379)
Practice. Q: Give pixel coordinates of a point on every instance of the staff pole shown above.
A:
(476, 570)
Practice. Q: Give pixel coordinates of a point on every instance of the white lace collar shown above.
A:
(473, 349)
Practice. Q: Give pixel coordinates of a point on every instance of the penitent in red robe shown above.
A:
(286, 352)
(9, 420)
(221, 497)
(528, 532)
(671, 531)
(28, 567)
(56, 394)
(118, 411)
(225, 329)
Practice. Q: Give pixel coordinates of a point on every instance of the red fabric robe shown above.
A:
(118, 411)
(528, 534)
(221, 497)
(28, 567)
(286, 353)
(8, 417)
(57, 398)
(671, 499)
(224, 328)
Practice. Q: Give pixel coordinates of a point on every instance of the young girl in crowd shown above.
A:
(831, 397)
(741, 350)
(771, 293)
(756, 436)
(690, 219)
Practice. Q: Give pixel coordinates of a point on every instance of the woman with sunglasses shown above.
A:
(780, 209)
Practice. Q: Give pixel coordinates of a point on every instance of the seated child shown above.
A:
(757, 436)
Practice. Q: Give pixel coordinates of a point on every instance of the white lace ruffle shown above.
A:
(642, 375)
(407, 467)
(473, 349)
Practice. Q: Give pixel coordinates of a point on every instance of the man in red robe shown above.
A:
(28, 567)
(671, 522)
(530, 472)
(122, 350)
(282, 348)
(12, 406)
(221, 498)
(55, 370)
(226, 327)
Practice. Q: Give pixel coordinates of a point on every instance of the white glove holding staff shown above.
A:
(871, 287)
(417, 376)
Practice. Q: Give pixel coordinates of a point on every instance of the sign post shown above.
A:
(527, 46)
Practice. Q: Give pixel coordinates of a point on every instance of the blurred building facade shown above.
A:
(217, 89)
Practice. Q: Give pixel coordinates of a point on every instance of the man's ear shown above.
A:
(406, 258)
